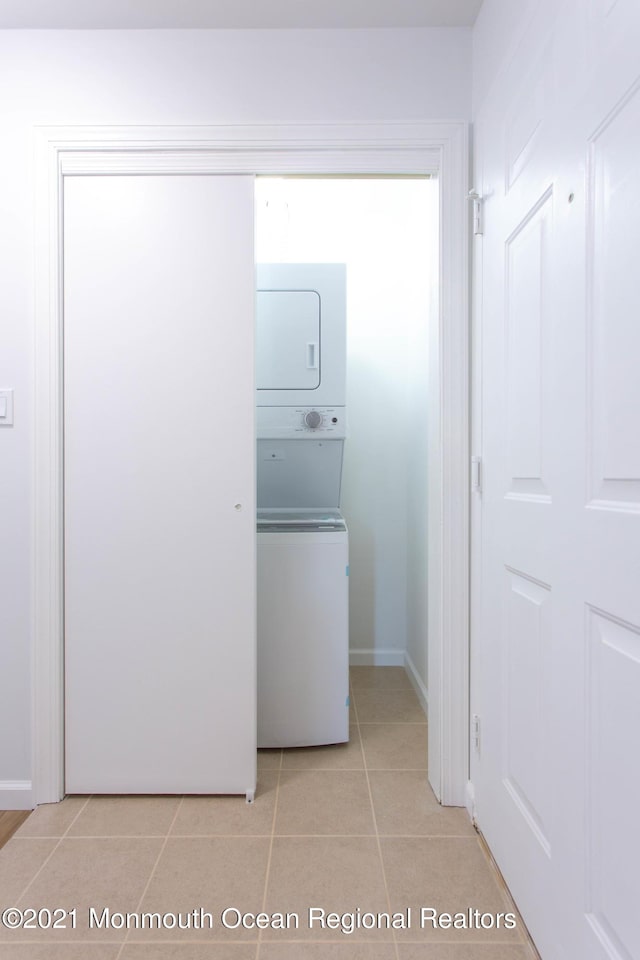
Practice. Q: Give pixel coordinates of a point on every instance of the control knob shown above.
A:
(312, 419)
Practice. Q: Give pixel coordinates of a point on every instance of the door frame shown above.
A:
(436, 148)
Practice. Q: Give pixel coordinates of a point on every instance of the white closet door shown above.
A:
(159, 466)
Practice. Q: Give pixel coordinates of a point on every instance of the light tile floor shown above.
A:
(347, 829)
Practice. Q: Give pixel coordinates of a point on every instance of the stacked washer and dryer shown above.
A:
(303, 548)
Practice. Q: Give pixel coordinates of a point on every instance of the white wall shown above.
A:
(163, 77)
(383, 231)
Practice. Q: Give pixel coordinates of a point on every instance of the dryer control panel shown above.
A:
(300, 422)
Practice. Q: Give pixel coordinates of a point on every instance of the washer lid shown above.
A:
(300, 521)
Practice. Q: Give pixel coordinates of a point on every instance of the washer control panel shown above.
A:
(302, 422)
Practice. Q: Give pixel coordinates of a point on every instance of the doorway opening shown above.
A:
(385, 230)
(425, 147)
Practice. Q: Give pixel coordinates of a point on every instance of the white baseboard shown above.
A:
(390, 657)
(16, 795)
(417, 683)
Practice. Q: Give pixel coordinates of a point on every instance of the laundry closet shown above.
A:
(383, 232)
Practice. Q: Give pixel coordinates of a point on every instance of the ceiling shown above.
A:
(283, 14)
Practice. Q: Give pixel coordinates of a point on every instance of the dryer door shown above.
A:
(301, 348)
(288, 340)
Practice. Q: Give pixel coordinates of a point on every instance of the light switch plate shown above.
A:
(6, 408)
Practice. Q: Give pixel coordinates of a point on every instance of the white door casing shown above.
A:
(159, 485)
(556, 650)
(438, 148)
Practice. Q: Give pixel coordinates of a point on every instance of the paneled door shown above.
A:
(159, 478)
(557, 649)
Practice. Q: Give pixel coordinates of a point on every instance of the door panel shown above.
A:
(614, 336)
(159, 484)
(613, 671)
(525, 337)
(526, 701)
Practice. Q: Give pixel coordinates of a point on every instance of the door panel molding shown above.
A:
(527, 778)
(612, 718)
(612, 339)
(526, 269)
(437, 148)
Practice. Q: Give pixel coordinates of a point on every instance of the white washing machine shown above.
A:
(303, 628)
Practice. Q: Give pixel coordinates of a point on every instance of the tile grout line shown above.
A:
(154, 836)
(151, 875)
(375, 821)
(261, 836)
(271, 839)
(47, 859)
